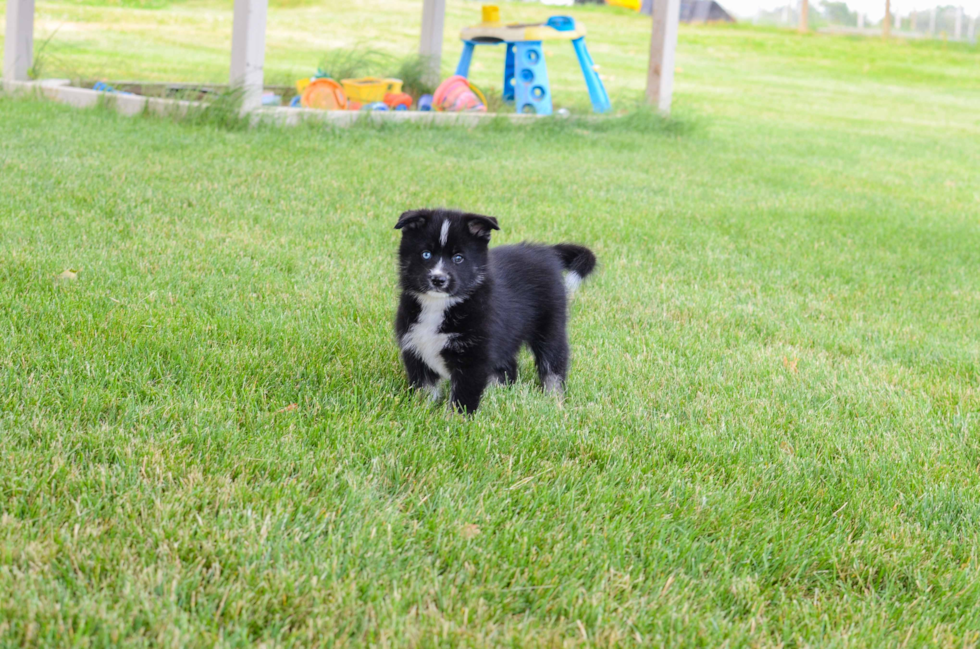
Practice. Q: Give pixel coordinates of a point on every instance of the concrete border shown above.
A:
(62, 91)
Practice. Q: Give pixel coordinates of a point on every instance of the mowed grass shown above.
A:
(771, 435)
(719, 69)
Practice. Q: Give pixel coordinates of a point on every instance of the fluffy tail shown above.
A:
(578, 261)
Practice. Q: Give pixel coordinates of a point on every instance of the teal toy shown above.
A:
(529, 84)
(525, 72)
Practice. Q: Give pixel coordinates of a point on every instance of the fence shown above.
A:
(947, 22)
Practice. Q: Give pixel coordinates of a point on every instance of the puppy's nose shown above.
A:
(439, 281)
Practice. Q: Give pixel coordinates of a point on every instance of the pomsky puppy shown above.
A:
(465, 309)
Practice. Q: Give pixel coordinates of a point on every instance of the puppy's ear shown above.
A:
(479, 225)
(413, 219)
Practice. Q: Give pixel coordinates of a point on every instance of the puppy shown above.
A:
(465, 310)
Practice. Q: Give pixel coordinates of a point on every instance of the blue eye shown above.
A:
(426, 254)
(457, 259)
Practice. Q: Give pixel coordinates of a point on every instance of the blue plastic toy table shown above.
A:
(525, 73)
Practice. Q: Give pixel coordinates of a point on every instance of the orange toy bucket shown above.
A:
(325, 94)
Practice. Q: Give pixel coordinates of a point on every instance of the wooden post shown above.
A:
(248, 51)
(886, 23)
(804, 16)
(18, 44)
(430, 44)
(663, 43)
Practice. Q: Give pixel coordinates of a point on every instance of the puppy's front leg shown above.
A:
(467, 387)
(420, 376)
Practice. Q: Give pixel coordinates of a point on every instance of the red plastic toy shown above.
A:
(395, 99)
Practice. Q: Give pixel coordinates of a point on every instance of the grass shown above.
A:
(770, 436)
(191, 41)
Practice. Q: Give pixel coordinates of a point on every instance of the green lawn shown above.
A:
(771, 435)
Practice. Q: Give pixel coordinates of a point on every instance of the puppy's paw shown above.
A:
(434, 391)
(554, 384)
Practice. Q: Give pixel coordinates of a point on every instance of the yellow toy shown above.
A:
(368, 90)
(628, 4)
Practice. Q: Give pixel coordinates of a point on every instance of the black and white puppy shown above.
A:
(466, 310)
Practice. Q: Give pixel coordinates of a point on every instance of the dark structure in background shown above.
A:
(695, 11)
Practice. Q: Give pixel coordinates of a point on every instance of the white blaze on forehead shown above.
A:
(444, 234)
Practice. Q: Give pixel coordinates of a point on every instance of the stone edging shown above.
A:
(62, 91)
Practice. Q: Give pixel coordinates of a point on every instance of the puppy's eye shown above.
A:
(426, 254)
(457, 259)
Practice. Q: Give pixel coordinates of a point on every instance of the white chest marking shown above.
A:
(424, 338)
(444, 233)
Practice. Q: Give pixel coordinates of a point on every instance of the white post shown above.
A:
(973, 29)
(932, 22)
(18, 45)
(663, 43)
(430, 44)
(860, 21)
(959, 23)
(248, 50)
(785, 16)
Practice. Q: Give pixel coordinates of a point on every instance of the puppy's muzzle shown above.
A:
(439, 281)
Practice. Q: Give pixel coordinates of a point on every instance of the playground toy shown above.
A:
(323, 93)
(425, 103)
(398, 100)
(102, 86)
(457, 94)
(369, 93)
(368, 90)
(525, 74)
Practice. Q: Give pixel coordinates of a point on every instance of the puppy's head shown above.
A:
(443, 252)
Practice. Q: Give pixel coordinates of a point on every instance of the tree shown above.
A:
(838, 13)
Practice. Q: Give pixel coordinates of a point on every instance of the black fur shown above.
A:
(466, 310)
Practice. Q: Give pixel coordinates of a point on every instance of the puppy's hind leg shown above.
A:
(551, 356)
(504, 374)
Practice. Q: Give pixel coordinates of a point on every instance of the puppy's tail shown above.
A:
(578, 261)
